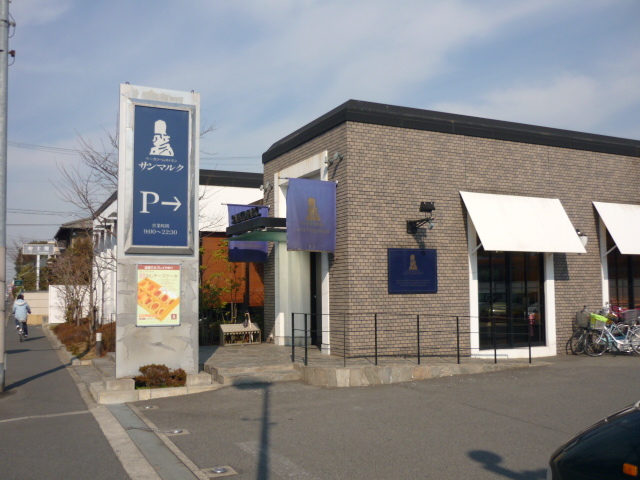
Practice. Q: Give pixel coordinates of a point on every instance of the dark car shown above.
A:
(609, 450)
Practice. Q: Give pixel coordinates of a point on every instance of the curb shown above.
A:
(110, 391)
(56, 344)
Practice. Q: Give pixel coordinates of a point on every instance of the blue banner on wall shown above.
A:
(412, 270)
(243, 251)
(161, 177)
(311, 215)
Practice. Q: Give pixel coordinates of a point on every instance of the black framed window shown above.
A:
(511, 299)
(624, 277)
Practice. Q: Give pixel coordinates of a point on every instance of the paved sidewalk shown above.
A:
(47, 430)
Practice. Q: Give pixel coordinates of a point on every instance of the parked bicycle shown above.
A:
(608, 336)
(576, 343)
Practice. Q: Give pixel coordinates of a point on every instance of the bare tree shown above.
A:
(89, 184)
(71, 273)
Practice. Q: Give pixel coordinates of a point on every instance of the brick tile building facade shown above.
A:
(393, 158)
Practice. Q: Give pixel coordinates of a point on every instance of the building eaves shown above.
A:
(112, 198)
(223, 178)
(80, 224)
(413, 118)
(64, 232)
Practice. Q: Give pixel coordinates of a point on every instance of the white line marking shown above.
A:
(30, 417)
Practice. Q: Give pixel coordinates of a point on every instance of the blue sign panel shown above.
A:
(247, 251)
(311, 215)
(160, 177)
(412, 270)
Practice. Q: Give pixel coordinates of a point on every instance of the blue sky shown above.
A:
(265, 68)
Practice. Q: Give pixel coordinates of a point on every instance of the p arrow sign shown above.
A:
(161, 177)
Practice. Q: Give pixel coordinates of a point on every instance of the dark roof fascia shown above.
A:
(223, 178)
(80, 224)
(64, 232)
(413, 118)
(268, 223)
(112, 198)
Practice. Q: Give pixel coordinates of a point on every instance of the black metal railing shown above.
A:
(411, 336)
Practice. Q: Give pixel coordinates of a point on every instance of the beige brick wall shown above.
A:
(388, 171)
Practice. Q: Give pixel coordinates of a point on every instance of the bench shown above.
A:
(237, 333)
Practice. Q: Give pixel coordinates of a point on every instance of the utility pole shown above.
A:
(4, 67)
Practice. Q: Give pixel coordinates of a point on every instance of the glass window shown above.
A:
(624, 277)
(510, 288)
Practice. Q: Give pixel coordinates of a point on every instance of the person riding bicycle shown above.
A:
(21, 311)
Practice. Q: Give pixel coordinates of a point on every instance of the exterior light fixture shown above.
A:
(429, 217)
(583, 237)
(266, 187)
(336, 157)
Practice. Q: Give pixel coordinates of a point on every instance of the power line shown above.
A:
(71, 151)
(31, 146)
(40, 212)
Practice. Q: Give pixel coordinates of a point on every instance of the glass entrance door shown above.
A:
(510, 288)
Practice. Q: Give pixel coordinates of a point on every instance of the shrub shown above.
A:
(158, 376)
(75, 338)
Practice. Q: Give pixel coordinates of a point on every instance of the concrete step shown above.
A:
(102, 395)
(122, 390)
(251, 368)
(264, 376)
(105, 366)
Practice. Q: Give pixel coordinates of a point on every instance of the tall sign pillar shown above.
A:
(157, 230)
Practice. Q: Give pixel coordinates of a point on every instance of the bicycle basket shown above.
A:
(598, 322)
(630, 317)
(583, 318)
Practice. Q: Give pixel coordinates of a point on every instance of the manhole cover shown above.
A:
(218, 472)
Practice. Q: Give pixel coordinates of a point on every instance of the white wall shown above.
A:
(104, 267)
(56, 303)
(213, 208)
(292, 272)
(39, 305)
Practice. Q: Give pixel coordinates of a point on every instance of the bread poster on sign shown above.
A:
(158, 295)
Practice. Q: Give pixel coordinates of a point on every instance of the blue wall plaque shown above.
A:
(412, 270)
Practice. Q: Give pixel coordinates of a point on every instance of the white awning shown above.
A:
(623, 222)
(509, 223)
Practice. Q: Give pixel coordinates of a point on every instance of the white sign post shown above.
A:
(38, 249)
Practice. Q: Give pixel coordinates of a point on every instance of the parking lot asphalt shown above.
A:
(500, 425)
